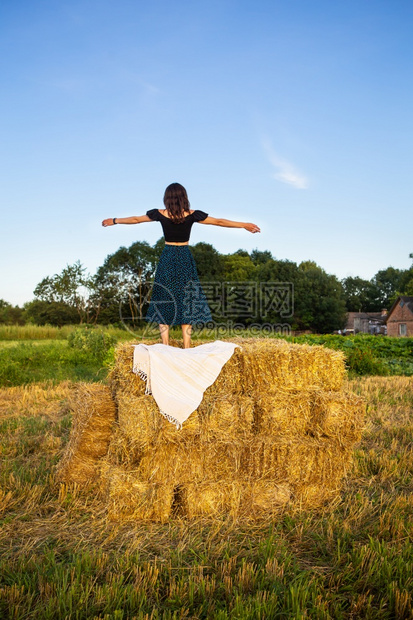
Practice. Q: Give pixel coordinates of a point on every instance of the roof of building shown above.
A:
(407, 300)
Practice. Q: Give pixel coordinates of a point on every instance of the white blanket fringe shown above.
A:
(143, 375)
(177, 378)
(171, 419)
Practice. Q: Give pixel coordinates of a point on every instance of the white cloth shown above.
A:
(177, 378)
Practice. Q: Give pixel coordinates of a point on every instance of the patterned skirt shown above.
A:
(177, 297)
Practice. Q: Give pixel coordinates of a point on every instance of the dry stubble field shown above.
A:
(60, 558)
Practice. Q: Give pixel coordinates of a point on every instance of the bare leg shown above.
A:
(186, 335)
(164, 329)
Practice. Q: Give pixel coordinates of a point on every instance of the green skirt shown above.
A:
(177, 296)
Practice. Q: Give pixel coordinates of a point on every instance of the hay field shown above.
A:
(61, 559)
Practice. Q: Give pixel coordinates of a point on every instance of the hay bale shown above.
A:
(123, 451)
(121, 379)
(194, 461)
(273, 364)
(286, 413)
(314, 412)
(311, 496)
(237, 499)
(209, 499)
(295, 460)
(140, 420)
(94, 412)
(224, 417)
(264, 498)
(339, 415)
(187, 461)
(130, 499)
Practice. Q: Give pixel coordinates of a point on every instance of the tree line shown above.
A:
(119, 291)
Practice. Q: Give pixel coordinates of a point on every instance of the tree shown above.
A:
(275, 283)
(238, 267)
(406, 280)
(361, 295)
(209, 262)
(10, 315)
(123, 282)
(260, 257)
(319, 299)
(396, 282)
(50, 313)
(388, 282)
(105, 296)
(276, 271)
(69, 288)
(409, 288)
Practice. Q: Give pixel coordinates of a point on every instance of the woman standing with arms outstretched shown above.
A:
(177, 296)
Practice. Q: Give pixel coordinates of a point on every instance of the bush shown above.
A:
(95, 342)
(363, 362)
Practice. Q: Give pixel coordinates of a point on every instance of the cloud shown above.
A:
(147, 87)
(284, 171)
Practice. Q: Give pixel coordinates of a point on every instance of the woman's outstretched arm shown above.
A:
(135, 219)
(230, 224)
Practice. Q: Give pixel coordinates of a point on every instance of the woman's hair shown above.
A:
(176, 202)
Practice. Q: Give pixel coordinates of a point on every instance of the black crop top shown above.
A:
(176, 232)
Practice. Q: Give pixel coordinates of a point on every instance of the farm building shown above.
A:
(366, 322)
(400, 317)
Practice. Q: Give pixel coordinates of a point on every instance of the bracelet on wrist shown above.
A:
(114, 220)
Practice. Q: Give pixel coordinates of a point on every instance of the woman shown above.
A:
(177, 296)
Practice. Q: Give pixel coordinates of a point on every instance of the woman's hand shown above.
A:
(108, 222)
(253, 228)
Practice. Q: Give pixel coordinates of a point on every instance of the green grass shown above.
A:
(5, 344)
(48, 332)
(30, 362)
(33, 332)
(61, 559)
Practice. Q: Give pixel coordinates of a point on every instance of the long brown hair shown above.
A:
(176, 202)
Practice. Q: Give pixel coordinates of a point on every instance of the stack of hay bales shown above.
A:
(275, 427)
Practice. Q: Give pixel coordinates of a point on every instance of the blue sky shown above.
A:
(295, 115)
